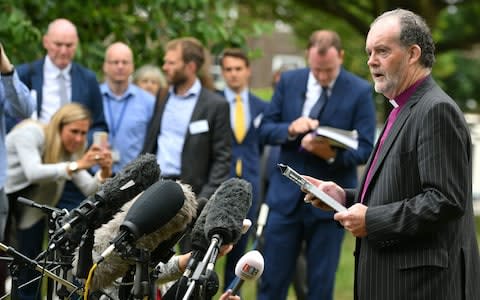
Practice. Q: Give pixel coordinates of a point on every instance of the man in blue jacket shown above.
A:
(56, 80)
(324, 94)
(246, 146)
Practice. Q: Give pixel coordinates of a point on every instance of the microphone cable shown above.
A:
(89, 280)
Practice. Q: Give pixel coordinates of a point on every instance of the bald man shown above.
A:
(53, 81)
(43, 76)
(128, 108)
(56, 80)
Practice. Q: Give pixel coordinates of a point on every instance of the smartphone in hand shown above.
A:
(100, 138)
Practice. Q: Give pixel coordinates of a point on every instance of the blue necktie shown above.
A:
(318, 107)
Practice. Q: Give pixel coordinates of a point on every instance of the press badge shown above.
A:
(197, 127)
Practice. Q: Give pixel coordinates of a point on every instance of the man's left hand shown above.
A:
(353, 219)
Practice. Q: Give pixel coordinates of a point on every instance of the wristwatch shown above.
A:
(73, 166)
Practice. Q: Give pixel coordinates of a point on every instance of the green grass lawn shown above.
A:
(344, 279)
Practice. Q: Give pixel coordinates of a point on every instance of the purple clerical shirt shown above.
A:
(398, 103)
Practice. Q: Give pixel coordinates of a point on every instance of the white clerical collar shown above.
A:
(393, 103)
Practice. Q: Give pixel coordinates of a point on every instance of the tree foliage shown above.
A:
(454, 28)
(146, 25)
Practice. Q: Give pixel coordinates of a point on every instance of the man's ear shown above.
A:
(414, 53)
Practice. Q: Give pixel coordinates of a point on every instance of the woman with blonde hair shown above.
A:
(41, 158)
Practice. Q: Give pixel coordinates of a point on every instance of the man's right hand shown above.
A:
(328, 187)
(302, 125)
(5, 65)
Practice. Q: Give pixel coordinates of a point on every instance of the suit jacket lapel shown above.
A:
(338, 93)
(37, 83)
(75, 80)
(394, 132)
(392, 135)
(198, 112)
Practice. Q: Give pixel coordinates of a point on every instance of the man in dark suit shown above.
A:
(412, 214)
(190, 128)
(325, 94)
(55, 80)
(246, 146)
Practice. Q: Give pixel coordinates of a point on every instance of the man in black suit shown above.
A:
(412, 214)
(190, 129)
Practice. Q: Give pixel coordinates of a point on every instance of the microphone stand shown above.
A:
(54, 214)
(141, 283)
(210, 256)
(20, 260)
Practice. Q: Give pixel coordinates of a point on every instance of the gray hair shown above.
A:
(414, 31)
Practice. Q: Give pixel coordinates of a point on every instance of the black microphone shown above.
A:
(230, 203)
(164, 250)
(154, 216)
(96, 210)
(45, 208)
(199, 242)
(225, 212)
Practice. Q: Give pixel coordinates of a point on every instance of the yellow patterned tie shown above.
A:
(240, 129)
(239, 122)
(238, 168)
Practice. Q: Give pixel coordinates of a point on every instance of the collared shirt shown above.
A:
(127, 117)
(175, 123)
(14, 99)
(230, 96)
(51, 88)
(313, 93)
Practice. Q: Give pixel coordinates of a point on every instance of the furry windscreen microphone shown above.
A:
(147, 213)
(199, 240)
(134, 178)
(228, 207)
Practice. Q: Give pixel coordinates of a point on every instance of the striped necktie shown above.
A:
(316, 111)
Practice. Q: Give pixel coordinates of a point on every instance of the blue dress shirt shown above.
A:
(175, 123)
(127, 117)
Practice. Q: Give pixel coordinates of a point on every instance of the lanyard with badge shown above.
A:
(115, 124)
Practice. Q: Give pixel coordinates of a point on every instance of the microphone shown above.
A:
(143, 216)
(225, 212)
(199, 241)
(44, 208)
(249, 267)
(154, 216)
(165, 251)
(230, 204)
(262, 219)
(96, 210)
(247, 223)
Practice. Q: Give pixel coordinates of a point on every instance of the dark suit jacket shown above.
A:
(250, 149)
(206, 156)
(85, 89)
(349, 107)
(421, 240)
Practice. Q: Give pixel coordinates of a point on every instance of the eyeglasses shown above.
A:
(118, 62)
